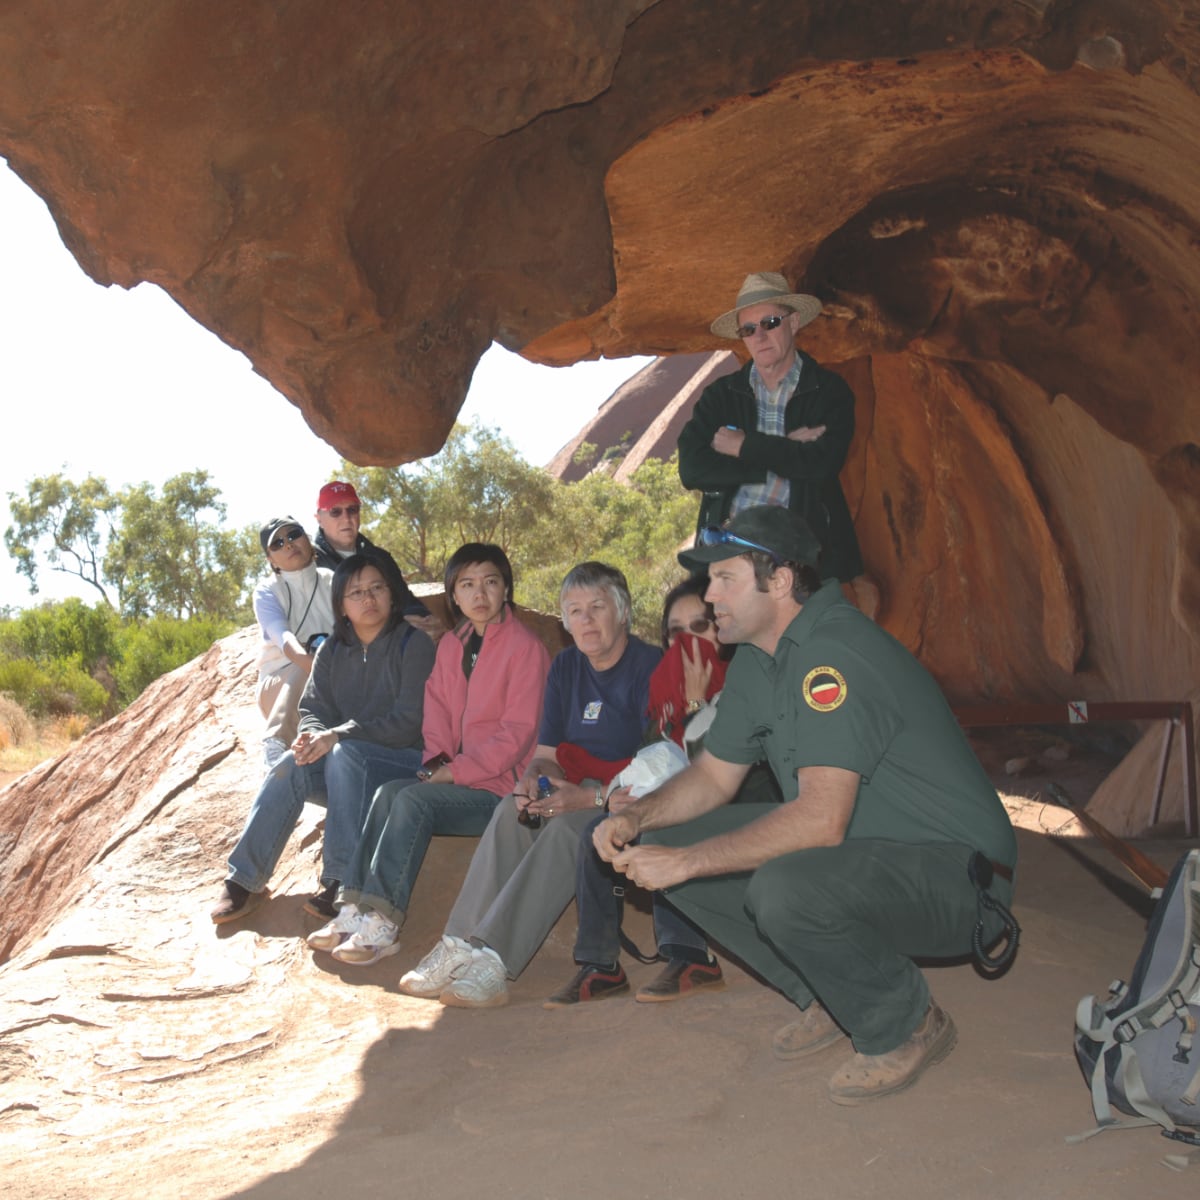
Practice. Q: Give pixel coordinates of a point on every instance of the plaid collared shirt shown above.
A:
(772, 405)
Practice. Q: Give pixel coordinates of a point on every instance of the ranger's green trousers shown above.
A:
(840, 923)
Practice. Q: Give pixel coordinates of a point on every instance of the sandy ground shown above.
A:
(177, 1061)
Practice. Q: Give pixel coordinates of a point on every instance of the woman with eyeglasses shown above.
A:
(360, 726)
(483, 704)
(294, 610)
(684, 686)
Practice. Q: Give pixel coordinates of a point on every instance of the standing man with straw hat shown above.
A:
(777, 431)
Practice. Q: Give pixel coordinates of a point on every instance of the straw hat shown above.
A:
(766, 287)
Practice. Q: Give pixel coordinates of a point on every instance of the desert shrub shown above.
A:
(154, 647)
(15, 726)
(70, 728)
(54, 689)
(62, 630)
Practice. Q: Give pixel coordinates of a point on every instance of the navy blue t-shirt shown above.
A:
(602, 712)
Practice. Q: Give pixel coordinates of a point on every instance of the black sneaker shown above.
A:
(236, 902)
(679, 979)
(322, 905)
(590, 983)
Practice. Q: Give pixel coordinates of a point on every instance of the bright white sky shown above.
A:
(125, 385)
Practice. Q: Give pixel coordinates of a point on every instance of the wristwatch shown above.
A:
(693, 707)
(598, 800)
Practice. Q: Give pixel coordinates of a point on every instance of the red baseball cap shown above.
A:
(337, 492)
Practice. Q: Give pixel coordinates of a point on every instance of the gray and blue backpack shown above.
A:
(1138, 1047)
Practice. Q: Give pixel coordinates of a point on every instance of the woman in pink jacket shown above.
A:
(483, 703)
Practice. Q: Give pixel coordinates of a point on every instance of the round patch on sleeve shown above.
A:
(824, 689)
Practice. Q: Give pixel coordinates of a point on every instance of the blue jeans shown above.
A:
(399, 823)
(600, 902)
(339, 781)
(357, 770)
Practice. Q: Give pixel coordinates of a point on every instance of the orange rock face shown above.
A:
(998, 205)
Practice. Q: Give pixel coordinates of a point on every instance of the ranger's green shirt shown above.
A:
(840, 692)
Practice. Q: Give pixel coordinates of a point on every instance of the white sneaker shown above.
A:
(376, 937)
(438, 969)
(334, 932)
(483, 984)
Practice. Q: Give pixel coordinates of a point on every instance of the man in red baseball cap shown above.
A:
(339, 514)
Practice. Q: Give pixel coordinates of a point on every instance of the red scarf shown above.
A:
(668, 700)
(577, 764)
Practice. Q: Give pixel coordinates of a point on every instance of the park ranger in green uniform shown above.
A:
(893, 846)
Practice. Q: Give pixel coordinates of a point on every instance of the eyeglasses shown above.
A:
(766, 325)
(362, 594)
(285, 539)
(696, 625)
(714, 535)
(351, 510)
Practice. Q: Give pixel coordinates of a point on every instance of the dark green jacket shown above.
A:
(822, 398)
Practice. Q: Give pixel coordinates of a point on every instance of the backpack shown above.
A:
(1137, 1047)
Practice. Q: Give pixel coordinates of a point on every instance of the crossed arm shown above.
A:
(729, 441)
(818, 816)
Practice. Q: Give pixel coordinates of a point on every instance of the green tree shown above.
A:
(477, 488)
(585, 454)
(175, 557)
(65, 523)
(143, 552)
(637, 526)
(148, 649)
(64, 629)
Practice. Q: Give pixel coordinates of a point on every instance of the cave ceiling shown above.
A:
(998, 203)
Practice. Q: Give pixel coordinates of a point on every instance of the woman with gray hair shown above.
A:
(523, 873)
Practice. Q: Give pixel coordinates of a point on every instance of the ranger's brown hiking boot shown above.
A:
(872, 1076)
(813, 1032)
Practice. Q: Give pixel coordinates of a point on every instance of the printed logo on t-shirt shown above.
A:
(824, 689)
(591, 711)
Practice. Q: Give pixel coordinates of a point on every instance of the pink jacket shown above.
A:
(487, 726)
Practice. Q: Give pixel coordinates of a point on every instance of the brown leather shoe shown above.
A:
(872, 1076)
(813, 1032)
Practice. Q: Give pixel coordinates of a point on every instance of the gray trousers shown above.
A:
(518, 884)
(841, 924)
(278, 698)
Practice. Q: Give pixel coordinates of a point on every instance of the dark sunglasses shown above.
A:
(292, 535)
(696, 625)
(714, 535)
(351, 510)
(766, 325)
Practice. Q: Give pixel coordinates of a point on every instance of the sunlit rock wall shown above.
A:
(998, 203)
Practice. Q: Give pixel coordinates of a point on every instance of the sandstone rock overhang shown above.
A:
(362, 205)
(998, 205)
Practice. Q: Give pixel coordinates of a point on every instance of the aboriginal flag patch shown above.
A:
(824, 689)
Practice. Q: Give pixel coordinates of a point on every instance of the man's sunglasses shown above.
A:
(766, 325)
(714, 535)
(284, 539)
(351, 510)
